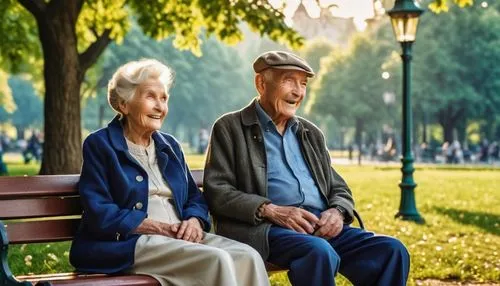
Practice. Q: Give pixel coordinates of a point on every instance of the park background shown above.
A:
(355, 99)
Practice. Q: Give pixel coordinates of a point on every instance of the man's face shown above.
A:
(281, 95)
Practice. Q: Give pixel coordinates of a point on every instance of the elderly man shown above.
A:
(269, 183)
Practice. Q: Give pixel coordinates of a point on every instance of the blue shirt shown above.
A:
(289, 180)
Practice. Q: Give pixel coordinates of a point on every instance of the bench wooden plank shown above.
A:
(90, 279)
(40, 207)
(42, 231)
(38, 186)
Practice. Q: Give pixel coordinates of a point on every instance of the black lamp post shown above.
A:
(404, 18)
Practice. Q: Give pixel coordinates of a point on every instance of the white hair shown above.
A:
(123, 84)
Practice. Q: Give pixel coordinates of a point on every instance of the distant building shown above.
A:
(338, 30)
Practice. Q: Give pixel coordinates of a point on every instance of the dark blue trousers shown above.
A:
(362, 257)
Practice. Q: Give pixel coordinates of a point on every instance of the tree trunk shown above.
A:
(424, 128)
(358, 138)
(462, 130)
(64, 69)
(448, 131)
(20, 132)
(449, 119)
(63, 79)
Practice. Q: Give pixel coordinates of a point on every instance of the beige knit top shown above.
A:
(160, 204)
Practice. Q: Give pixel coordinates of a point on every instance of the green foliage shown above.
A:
(20, 44)
(314, 51)
(6, 100)
(29, 106)
(204, 87)
(74, 34)
(97, 16)
(349, 85)
(438, 6)
(456, 75)
(187, 19)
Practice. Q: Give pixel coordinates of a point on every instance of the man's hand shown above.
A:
(189, 230)
(293, 218)
(330, 224)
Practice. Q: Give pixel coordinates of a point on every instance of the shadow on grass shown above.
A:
(483, 220)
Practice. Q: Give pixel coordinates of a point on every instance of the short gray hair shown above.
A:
(123, 84)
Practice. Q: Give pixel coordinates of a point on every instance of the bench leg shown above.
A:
(6, 277)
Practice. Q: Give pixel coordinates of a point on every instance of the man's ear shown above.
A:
(260, 83)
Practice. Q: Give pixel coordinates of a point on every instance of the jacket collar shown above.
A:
(249, 116)
(115, 129)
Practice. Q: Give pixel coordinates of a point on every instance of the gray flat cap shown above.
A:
(281, 60)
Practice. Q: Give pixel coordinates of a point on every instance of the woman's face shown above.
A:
(148, 107)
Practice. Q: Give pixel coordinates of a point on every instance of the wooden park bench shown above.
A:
(41, 209)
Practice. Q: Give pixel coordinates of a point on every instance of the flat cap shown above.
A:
(281, 60)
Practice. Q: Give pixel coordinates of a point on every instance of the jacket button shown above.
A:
(138, 205)
(139, 178)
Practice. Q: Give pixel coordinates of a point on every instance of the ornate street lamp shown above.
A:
(404, 18)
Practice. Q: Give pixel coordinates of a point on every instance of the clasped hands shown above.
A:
(327, 226)
(188, 230)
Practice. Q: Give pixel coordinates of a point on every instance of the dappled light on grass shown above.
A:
(462, 207)
(39, 258)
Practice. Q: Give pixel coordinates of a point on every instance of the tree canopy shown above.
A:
(209, 86)
(350, 87)
(27, 110)
(456, 75)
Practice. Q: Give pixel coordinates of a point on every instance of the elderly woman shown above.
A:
(143, 212)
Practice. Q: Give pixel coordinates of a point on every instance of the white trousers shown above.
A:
(216, 261)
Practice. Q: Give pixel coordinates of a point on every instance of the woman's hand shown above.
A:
(189, 230)
(149, 226)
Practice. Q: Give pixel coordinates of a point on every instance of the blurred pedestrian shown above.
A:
(203, 140)
(484, 151)
(3, 146)
(34, 148)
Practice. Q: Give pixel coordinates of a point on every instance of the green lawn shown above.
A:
(460, 240)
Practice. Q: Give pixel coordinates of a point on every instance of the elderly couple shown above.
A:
(268, 183)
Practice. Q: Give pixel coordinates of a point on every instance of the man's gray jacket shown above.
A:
(235, 178)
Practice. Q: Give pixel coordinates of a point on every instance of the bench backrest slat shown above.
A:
(38, 186)
(40, 207)
(42, 231)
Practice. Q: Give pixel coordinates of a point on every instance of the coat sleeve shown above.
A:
(195, 206)
(220, 180)
(103, 216)
(338, 191)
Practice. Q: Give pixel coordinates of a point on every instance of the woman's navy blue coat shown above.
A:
(114, 193)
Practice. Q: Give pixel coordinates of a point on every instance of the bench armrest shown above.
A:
(358, 217)
(6, 277)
